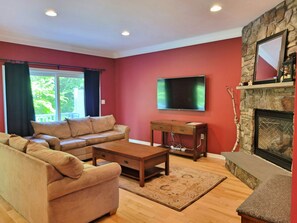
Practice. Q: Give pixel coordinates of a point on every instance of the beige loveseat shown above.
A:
(76, 136)
(48, 186)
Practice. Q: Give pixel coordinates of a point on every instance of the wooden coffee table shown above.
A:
(137, 161)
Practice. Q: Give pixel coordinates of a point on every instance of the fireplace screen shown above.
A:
(274, 137)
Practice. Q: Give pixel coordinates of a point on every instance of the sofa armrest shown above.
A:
(90, 177)
(53, 141)
(122, 128)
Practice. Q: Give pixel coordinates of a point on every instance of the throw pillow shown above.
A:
(4, 138)
(58, 129)
(103, 123)
(65, 163)
(18, 143)
(80, 126)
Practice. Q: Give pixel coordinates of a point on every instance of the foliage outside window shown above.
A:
(57, 94)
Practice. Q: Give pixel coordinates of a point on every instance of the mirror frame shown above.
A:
(283, 35)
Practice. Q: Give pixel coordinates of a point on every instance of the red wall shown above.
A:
(265, 70)
(36, 54)
(294, 172)
(130, 89)
(136, 93)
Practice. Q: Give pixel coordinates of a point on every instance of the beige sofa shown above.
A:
(76, 136)
(51, 186)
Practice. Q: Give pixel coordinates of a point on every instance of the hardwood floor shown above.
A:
(219, 205)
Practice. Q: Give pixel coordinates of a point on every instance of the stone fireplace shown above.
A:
(274, 137)
(265, 135)
(282, 17)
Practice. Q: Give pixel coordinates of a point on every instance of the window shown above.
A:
(57, 94)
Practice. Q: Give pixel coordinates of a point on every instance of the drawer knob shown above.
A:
(103, 155)
(126, 162)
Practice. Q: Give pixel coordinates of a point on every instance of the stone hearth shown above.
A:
(252, 170)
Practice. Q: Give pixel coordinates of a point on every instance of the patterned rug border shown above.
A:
(172, 207)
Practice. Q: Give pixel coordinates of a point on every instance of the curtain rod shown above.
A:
(52, 65)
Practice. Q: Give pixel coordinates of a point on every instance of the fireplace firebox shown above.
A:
(274, 137)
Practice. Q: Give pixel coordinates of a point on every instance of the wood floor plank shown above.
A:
(219, 205)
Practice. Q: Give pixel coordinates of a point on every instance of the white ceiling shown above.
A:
(94, 26)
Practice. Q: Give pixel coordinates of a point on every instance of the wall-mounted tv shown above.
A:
(184, 93)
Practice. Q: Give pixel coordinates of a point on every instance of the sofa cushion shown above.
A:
(103, 123)
(112, 135)
(18, 143)
(71, 143)
(92, 139)
(65, 163)
(4, 138)
(88, 166)
(60, 129)
(80, 126)
(40, 141)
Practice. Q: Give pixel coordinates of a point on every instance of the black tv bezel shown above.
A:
(183, 109)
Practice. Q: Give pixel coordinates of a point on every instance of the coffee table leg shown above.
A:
(141, 174)
(167, 164)
(94, 160)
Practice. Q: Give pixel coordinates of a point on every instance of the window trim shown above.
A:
(4, 98)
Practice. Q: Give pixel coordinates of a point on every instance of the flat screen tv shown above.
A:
(184, 93)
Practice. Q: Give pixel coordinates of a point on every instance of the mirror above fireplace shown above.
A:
(269, 58)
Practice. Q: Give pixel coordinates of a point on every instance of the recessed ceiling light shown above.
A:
(125, 33)
(51, 13)
(216, 8)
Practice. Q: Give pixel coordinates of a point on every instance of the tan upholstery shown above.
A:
(37, 140)
(86, 166)
(18, 143)
(71, 143)
(53, 141)
(4, 137)
(58, 129)
(113, 135)
(80, 126)
(83, 153)
(122, 128)
(93, 202)
(41, 194)
(80, 144)
(24, 183)
(102, 123)
(88, 179)
(65, 163)
(92, 139)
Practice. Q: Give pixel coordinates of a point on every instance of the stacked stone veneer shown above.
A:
(282, 17)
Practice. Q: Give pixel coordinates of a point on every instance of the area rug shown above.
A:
(180, 189)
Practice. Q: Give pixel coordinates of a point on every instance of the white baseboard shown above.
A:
(212, 155)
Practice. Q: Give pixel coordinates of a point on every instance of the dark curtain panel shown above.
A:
(92, 97)
(19, 100)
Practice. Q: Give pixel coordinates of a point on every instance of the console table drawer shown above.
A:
(163, 128)
(127, 162)
(183, 130)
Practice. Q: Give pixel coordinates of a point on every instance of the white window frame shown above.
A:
(4, 98)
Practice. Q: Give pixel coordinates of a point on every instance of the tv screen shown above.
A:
(185, 93)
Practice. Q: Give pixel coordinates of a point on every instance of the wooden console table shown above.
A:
(196, 129)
